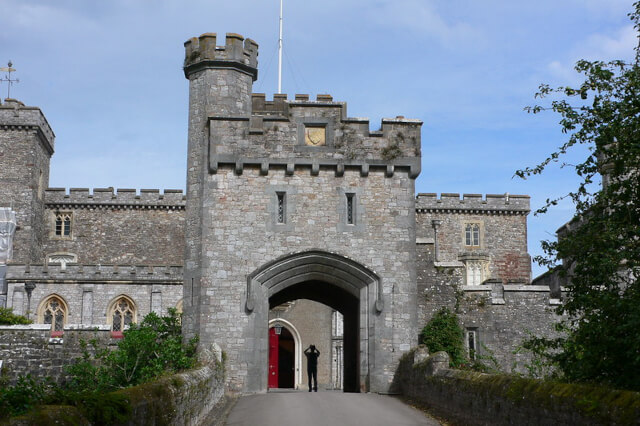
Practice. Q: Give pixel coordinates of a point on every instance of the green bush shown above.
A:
(7, 317)
(443, 333)
(148, 350)
(23, 396)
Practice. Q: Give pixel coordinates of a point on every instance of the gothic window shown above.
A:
(63, 225)
(476, 271)
(472, 235)
(53, 311)
(122, 314)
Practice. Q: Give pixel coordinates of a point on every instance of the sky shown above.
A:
(108, 76)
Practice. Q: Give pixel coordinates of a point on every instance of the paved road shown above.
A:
(324, 409)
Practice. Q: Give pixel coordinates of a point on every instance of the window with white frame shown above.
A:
(63, 222)
(472, 235)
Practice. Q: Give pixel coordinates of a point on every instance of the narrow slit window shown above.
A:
(351, 209)
(281, 207)
(472, 343)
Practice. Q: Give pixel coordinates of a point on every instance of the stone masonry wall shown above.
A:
(29, 349)
(503, 231)
(89, 290)
(238, 239)
(26, 144)
(467, 398)
(501, 315)
(120, 227)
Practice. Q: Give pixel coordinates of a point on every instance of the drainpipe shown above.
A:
(436, 224)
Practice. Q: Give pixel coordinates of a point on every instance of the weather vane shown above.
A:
(7, 78)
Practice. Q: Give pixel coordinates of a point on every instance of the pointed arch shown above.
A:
(313, 265)
(53, 310)
(121, 312)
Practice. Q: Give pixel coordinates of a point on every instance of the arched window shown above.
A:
(122, 313)
(53, 311)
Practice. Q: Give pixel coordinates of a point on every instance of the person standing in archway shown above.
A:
(312, 355)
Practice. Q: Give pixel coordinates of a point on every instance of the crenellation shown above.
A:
(505, 203)
(203, 52)
(170, 198)
(89, 272)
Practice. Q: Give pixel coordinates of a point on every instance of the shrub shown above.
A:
(443, 333)
(7, 317)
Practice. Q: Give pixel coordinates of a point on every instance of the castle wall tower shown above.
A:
(26, 146)
(291, 199)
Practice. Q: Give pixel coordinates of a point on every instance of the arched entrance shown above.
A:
(285, 355)
(330, 279)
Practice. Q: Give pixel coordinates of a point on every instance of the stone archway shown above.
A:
(328, 278)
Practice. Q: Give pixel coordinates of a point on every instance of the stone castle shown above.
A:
(299, 225)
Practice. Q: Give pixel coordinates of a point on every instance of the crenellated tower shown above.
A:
(26, 147)
(294, 199)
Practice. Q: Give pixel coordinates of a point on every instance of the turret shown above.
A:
(220, 85)
(26, 146)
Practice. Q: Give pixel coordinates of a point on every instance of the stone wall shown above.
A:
(240, 158)
(503, 231)
(89, 290)
(29, 349)
(118, 227)
(26, 145)
(192, 398)
(502, 315)
(468, 398)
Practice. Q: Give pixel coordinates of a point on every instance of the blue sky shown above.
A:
(108, 77)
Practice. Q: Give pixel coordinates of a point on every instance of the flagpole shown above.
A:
(280, 53)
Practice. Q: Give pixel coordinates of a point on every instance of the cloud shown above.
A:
(422, 19)
(597, 46)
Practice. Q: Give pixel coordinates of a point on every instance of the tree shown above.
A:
(599, 253)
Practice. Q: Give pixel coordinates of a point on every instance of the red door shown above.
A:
(273, 358)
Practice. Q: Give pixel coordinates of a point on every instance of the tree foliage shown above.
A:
(599, 250)
(7, 317)
(149, 349)
(443, 333)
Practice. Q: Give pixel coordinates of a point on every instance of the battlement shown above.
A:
(473, 203)
(122, 197)
(238, 52)
(14, 115)
(95, 273)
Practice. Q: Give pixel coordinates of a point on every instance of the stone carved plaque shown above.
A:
(315, 135)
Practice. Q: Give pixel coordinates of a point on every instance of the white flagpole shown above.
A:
(280, 53)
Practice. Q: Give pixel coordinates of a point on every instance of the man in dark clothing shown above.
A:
(312, 366)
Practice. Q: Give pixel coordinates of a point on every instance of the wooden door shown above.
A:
(273, 358)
